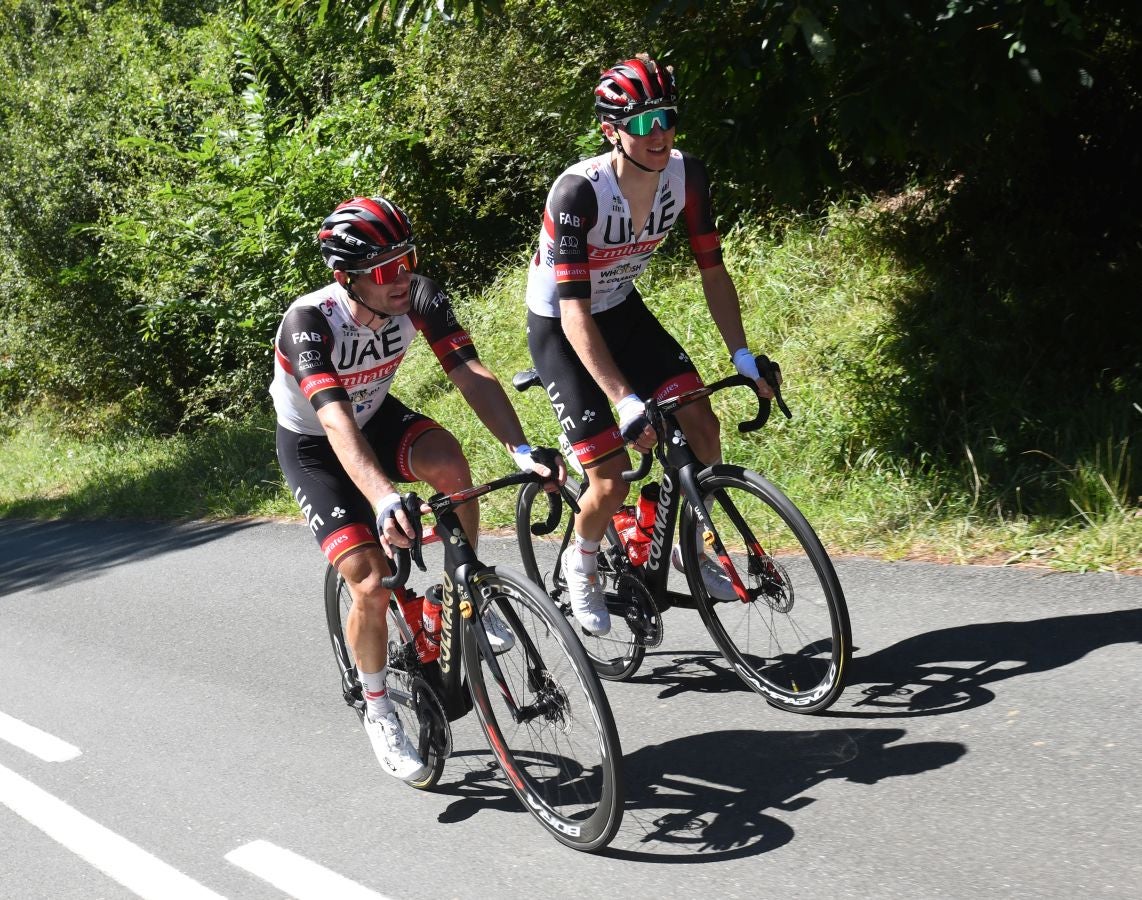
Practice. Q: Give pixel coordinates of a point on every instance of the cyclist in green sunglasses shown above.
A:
(591, 337)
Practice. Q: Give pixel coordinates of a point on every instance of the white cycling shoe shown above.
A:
(499, 635)
(394, 750)
(588, 602)
(714, 578)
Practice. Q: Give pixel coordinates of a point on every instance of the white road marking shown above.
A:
(295, 875)
(38, 743)
(131, 866)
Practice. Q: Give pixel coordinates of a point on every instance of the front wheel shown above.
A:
(545, 715)
(787, 633)
(420, 708)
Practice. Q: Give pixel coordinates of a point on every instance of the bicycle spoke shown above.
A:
(789, 638)
(552, 738)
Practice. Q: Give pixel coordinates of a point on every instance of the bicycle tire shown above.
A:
(563, 760)
(792, 642)
(617, 655)
(429, 728)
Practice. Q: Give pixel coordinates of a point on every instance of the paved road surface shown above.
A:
(170, 726)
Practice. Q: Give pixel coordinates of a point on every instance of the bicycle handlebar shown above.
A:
(767, 368)
(554, 513)
(441, 503)
(402, 560)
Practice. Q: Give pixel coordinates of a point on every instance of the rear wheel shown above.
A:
(789, 636)
(616, 655)
(421, 710)
(549, 723)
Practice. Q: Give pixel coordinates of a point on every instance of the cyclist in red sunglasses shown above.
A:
(344, 441)
(592, 339)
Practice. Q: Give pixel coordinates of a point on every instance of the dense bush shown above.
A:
(165, 165)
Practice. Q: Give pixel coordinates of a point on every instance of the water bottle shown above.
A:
(428, 648)
(634, 541)
(410, 607)
(647, 506)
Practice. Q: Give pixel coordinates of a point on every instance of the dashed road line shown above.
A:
(38, 743)
(130, 865)
(296, 875)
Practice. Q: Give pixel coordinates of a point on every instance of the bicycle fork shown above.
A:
(710, 538)
(545, 704)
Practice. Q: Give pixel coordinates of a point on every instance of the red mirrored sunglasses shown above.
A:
(388, 271)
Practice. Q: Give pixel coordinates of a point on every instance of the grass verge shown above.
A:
(823, 297)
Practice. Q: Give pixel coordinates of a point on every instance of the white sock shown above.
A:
(377, 702)
(583, 559)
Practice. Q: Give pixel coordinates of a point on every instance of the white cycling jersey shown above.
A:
(323, 354)
(588, 246)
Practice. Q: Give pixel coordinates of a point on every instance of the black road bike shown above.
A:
(540, 703)
(786, 631)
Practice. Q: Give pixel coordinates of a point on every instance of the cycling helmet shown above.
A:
(634, 86)
(361, 229)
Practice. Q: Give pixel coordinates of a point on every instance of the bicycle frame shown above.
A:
(461, 592)
(677, 479)
(680, 468)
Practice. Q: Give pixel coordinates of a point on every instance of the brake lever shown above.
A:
(411, 503)
(771, 372)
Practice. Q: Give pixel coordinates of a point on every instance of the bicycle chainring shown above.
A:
(434, 735)
(634, 602)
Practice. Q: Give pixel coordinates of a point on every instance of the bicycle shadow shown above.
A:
(953, 669)
(46, 554)
(687, 671)
(690, 800)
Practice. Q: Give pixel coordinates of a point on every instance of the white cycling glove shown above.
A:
(388, 505)
(632, 417)
(746, 364)
(523, 458)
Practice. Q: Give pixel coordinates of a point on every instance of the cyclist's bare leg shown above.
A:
(702, 430)
(604, 495)
(367, 627)
(437, 460)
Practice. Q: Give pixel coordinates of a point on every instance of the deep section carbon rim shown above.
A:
(560, 751)
(791, 641)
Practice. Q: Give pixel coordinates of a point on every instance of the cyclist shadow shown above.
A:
(478, 789)
(954, 669)
(691, 800)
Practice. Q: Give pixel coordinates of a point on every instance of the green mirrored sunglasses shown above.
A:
(643, 124)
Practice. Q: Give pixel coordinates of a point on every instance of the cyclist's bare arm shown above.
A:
(485, 395)
(587, 341)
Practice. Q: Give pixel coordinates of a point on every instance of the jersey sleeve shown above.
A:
(571, 212)
(434, 317)
(705, 243)
(305, 350)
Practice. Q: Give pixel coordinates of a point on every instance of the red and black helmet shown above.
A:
(360, 230)
(634, 86)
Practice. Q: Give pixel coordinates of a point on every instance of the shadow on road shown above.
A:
(724, 794)
(954, 668)
(48, 554)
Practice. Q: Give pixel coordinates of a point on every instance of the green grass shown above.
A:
(831, 301)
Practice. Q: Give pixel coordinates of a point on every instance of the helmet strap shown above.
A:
(347, 285)
(634, 162)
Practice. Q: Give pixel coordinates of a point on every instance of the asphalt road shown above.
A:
(171, 726)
